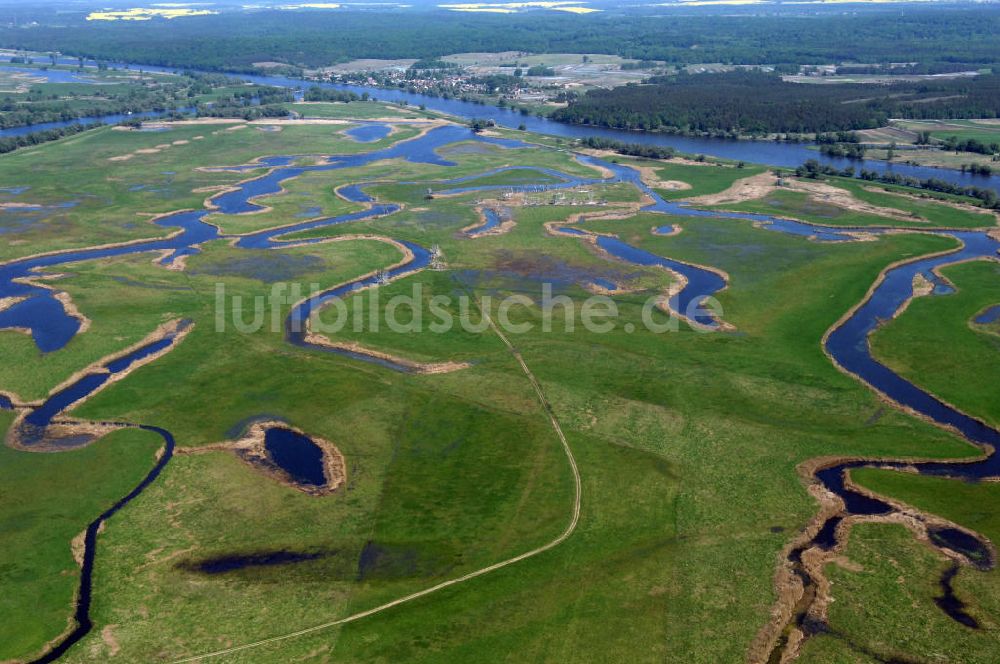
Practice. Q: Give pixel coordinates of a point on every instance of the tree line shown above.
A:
(629, 149)
(234, 41)
(749, 102)
(985, 197)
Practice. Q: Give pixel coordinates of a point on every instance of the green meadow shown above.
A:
(686, 442)
(966, 376)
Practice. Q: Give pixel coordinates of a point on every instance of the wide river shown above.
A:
(787, 155)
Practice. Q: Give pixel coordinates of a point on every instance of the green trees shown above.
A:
(757, 103)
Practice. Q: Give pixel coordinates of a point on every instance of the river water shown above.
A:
(786, 155)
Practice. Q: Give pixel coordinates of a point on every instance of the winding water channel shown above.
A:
(786, 155)
(52, 327)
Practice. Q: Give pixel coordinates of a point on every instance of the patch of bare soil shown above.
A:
(8, 302)
(70, 307)
(651, 179)
(967, 207)
(11, 205)
(745, 189)
(212, 189)
(108, 637)
(605, 172)
(922, 286)
(821, 191)
(412, 365)
(675, 229)
(505, 226)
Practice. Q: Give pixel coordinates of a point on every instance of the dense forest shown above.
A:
(235, 40)
(754, 103)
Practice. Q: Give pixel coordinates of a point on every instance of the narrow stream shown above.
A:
(84, 596)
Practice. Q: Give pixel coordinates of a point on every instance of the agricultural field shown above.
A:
(516, 485)
(907, 133)
(986, 131)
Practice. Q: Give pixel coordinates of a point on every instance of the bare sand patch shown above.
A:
(675, 229)
(922, 286)
(758, 186)
(8, 302)
(968, 207)
(605, 172)
(179, 264)
(192, 121)
(71, 310)
(11, 205)
(108, 637)
(821, 191)
(505, 226)
(651, 179)
(413, 366)
(744, 189)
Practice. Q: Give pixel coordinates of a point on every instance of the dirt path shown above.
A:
(574, 519)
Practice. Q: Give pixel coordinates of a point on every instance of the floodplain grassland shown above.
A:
(913, 344)
(47, 500)
(891, 579)
(113, 199)
(687, 442)
(356, 110)
(934, 209)
(652, 454)
(707, 178)
(813, 208)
